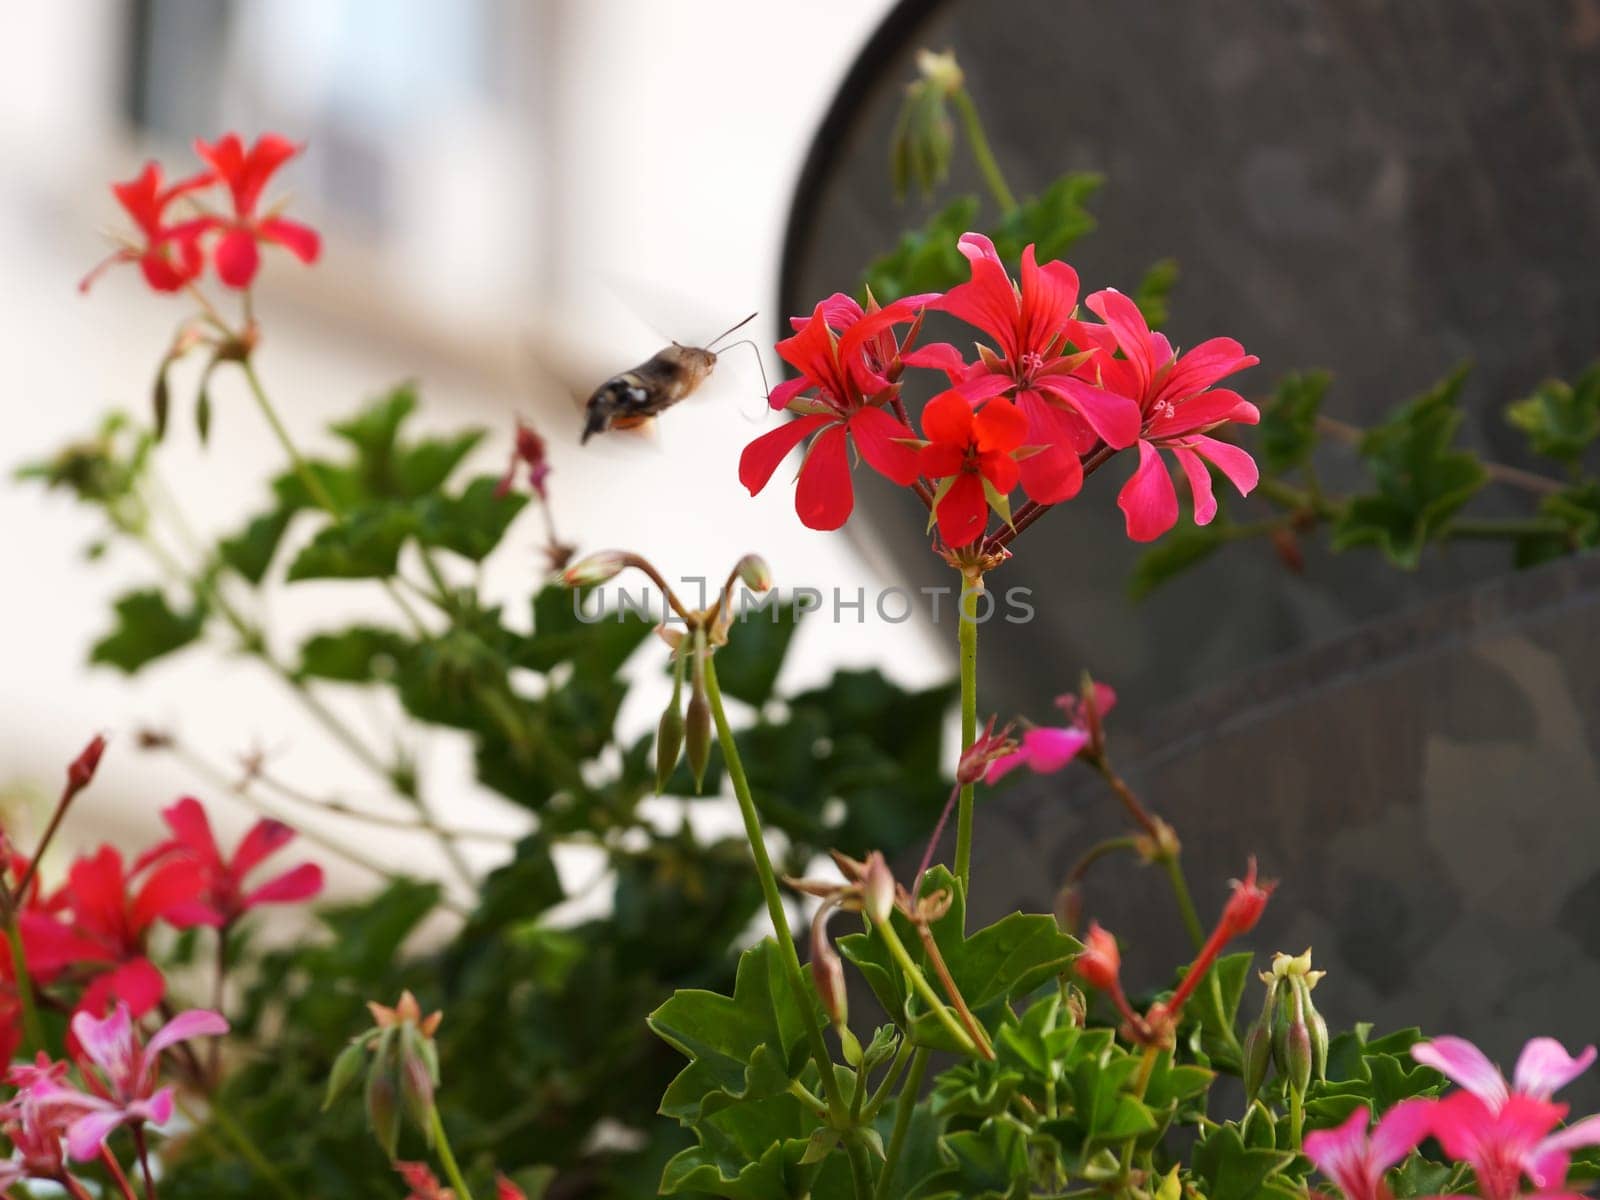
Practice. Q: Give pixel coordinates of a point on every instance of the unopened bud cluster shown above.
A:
(1290, 1034)
(401, 1065)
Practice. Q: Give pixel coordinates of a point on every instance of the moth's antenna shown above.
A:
(754, 349)
(731, 329)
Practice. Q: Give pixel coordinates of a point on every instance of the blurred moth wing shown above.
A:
(633, 398)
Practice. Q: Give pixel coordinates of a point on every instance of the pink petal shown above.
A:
(190, 826)
(1459, 1060)
(86, 1135)
(197, 1022)
(781, 396)
(175, 882)
(1132, 332)
(266, 837)
(1398, 1133)
(1055, 473)
(1148, 500)
(1544, 1067)
(1341, 1152)
(237, 258)
(882, 441)
(300, 240)
(1050, 749)
(108, 1041)
(762, 456)
(1049, 294)
(137, 983)
(1204, 365)
(1114, 417)
(1231, 460)
(941, 356)
(988, 300)
(1201, 412)
(1004, 765)
(1205, 504)
(302, 883)
(823, 497)
(963, 511)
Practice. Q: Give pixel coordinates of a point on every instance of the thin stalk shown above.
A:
(769, 888)
(32, 1031)
(71, 1186)
(905, 1105)
(901, 1057)
(1297, 1117)
(447, 1158)
(1197, 934)
(117, 1174)
(219, 1117)
(967, 628)
(979, 141)
(143, 1151)
(946, 981)
(860, 1168)
(919, 981)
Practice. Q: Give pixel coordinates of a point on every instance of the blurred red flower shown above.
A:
(169, 254)
(246, 173)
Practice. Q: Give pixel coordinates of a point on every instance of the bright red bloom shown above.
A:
(224, 896)
(110, 919)
(976, 454)
(421, 1183)
(1246, 903)
(169, 255)
(1031, 323)
(1178, 406)
(246, 173)
(847, 358)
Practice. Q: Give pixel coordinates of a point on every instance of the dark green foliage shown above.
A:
(147, 629)
(1561, 420)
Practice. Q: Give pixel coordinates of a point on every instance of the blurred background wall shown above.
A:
(492, 179)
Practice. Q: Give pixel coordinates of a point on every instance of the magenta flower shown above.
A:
(1031, 322)
(1506, 1133)
(1179, 408)
(122, 1075)
(35, 1124)
(1046, 750)
(1357, 1162)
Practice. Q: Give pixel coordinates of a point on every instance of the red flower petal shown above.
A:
(939, 459)
(1205, 504)
(1113, 416)
(988, 300)
(1148, 500)
(300, 240)
(948, 418)
(1133, 333)
(762, 456)
(882, 442)
(301, 883)
(171, 884)
(1204, 365)
(963, 511)
(1233, 462)
(192, 830)
(237, 258)
(823, 497)
(265, 837)
(1055, 473)
(1000, 425)
(1049, 294)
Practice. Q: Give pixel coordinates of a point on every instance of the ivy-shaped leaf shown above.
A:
(926, 260)
(251, 550)
(1051, 221)
(1421, 480)
(364, 544)
(147, 628)
(1561, 419)
(1230, 1169)
(470, 524)
(359, 654)
(1288, 428)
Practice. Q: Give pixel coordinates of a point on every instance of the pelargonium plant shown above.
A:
(531, 1056)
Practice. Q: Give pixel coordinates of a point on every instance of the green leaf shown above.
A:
(926, 260)
(990, 1161)
(1288, 429)
(1578, 509)
(146, 629)
(748, 666)
(1155, 291)
(374, 430)
(421, 467)
(1561, 420)
(1421, 481)
(1052, 221)
(1230, 1169)
(360, 654)
(250, 551)
(1184, 547)
(364, 544)
(598, 646)
(470, 524)
(745, 1046)
(748, 1151)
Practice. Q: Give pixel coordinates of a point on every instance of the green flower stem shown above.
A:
(447, 1158)
(979, 141)
(860, 1167)
(769, 889)
(32, 1032)
(1297, 1117)
(901, 1057)
(919, 981)
(967, 627)
(1197, 934)
(906, 1104)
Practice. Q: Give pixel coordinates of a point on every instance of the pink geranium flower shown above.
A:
(246, 173)
(1356, 1161)
(224, 895)
(1179, 408)
(1508, 1133)
(1031, 322)
(1046, 750)
(846, 356)
(122, 1074)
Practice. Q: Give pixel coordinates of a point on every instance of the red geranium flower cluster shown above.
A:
(172, 251)
(86, 942)
(1050, 392)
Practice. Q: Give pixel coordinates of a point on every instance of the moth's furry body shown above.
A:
(633, 397)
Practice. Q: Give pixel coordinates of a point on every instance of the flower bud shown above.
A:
(985, 749)
(595, 568)
(669, 743)
(697, 733)
(417, 1080)
(1318, 1028)
(754, 573)
(383, 1097)
(1257, 1057)
(1100, 964)
(82, 769)
(346, 1070)
(1246, 904)
(827, 970)
(877, 889)
(924, 136)
(1296, 1052)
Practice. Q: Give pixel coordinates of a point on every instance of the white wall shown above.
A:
(662, 143)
